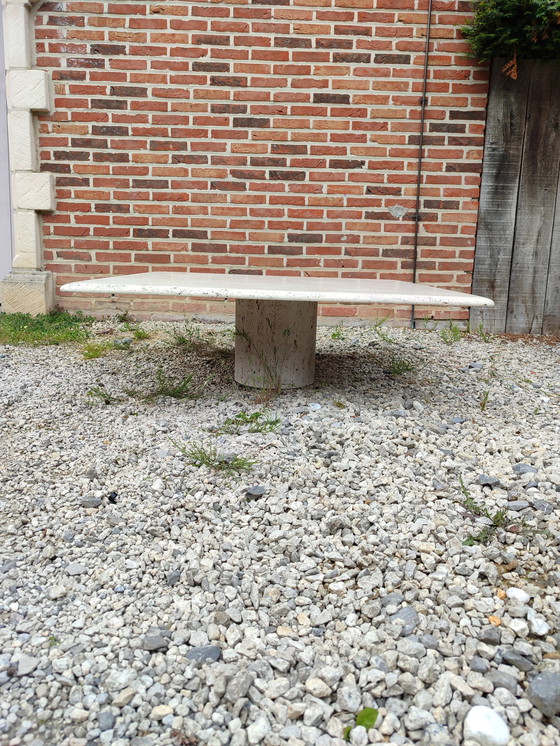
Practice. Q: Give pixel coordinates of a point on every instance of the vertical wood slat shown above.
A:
(503, 149)
(536, 203)
(551, 319)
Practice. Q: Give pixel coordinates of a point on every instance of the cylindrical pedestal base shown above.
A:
(275, 343)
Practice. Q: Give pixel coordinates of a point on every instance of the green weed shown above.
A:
(453, 333)
(398, 366)
(92, 350)
(366, 717)
(140, 333)
(53, 642)
(484, 401)
(499, 518)
(189, 339)
(100, 393)
(484, 336)
(208, 455)
(136, 330)
(256, 422)
(122, 317)
(176, 388)
(44, 329)
(464, 488)
(380, 332)
(337, 334)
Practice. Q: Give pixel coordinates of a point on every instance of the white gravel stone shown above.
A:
(359, 736)
(537, 624)
(258, 730)
(26, 665)
(141, 593)
(317, 687)
(485, 727)
(160, 711)
(123, 697)
(57, 591)
(75, 568)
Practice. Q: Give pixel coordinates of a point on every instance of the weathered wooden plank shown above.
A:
(551, 320)
(505, 127)
(536, 203)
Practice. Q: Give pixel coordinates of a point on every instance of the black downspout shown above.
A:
(424, 101)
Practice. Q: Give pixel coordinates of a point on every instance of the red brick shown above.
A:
(208, 129)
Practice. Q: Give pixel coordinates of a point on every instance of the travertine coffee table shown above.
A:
(276, 317)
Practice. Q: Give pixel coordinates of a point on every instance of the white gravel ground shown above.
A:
(342, 582)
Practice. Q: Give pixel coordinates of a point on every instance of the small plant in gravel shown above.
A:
(400, 365)
(191, 339)
(380, 332)
(53, 642)
(123, 317)
(498, 519)
(366, 717)
(338, 333)
(175, 388)
(44, 329)
(484, 401)
(452, 333)
(188, 338)
(93, 350)
(100, 393)
(480, 333)
(255, 422)
(136, 330)
(208, 455)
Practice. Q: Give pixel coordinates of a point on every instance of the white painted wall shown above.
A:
(6, 250)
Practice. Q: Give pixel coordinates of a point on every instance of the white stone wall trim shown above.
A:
(28, 91)
(34, 191)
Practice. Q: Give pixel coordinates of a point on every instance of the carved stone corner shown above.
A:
(27, 292)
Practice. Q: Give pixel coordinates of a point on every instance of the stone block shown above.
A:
(17, 35)
(34, 191)
(23, 152)
(27, 240)
(29, 89)
(27, 292)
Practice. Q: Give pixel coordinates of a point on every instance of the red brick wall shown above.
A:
(275, 136)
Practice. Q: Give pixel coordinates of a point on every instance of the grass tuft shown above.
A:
(256, 422)
(100, 393)
(93, 350)
(380, 331)
(398, 366)
(453, 333)
(208, 455)
(499, 519)
(53, 328)
(137, 330)
(175, 388)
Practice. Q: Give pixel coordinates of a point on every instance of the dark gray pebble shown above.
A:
(205, 653)
(490, 635)
(524, 469)
(512, 658)
(154, 642)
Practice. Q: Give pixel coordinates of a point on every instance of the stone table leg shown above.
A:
(275, 343)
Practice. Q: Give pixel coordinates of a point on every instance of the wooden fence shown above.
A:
(518, 242)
